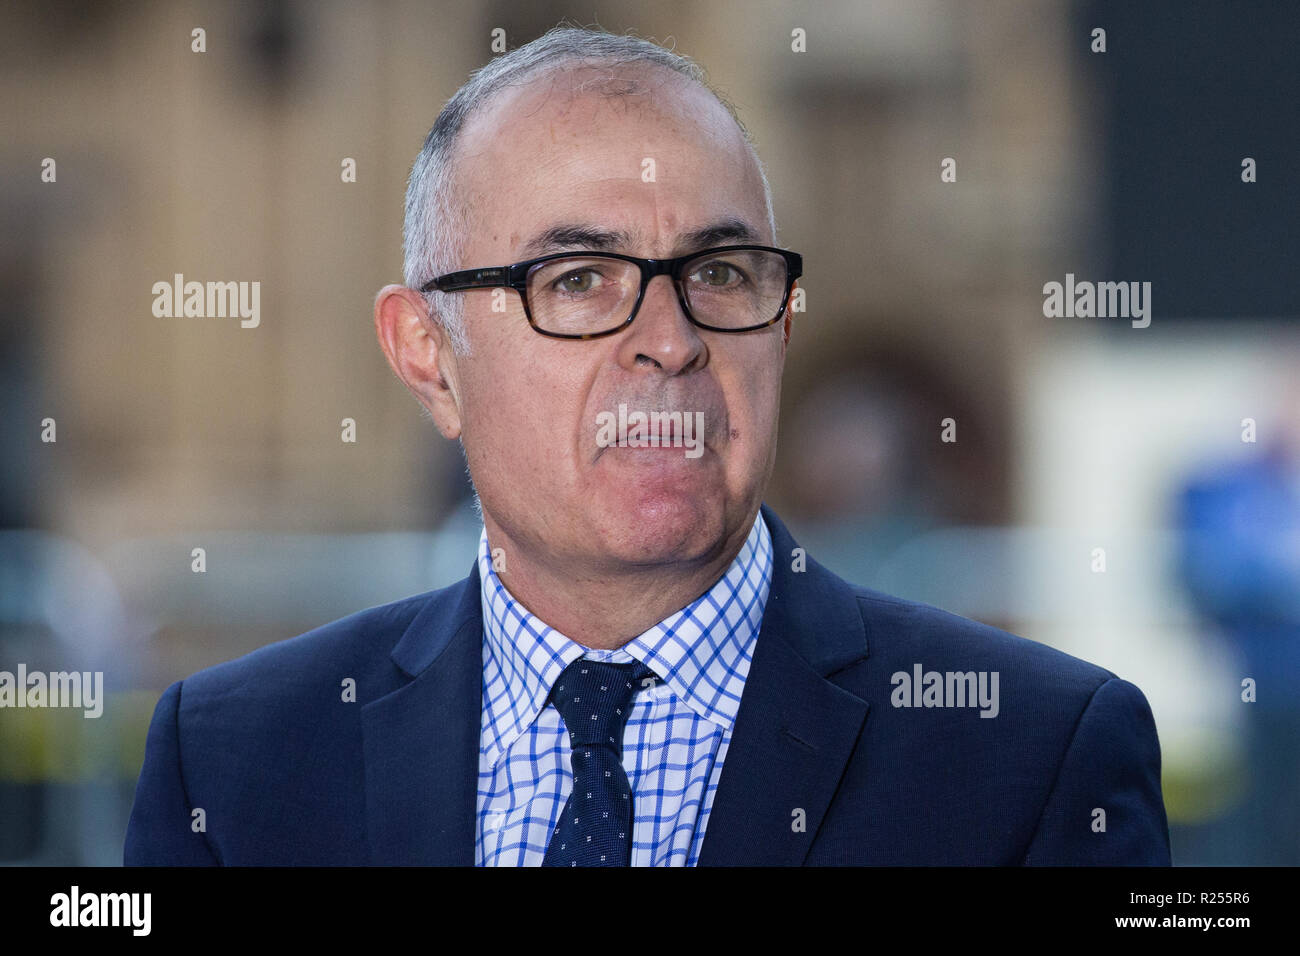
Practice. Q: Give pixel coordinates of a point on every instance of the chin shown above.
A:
(648, 524)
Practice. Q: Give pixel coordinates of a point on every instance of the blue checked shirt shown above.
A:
(677, 733)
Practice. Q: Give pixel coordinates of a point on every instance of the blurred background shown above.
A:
(1131, 496)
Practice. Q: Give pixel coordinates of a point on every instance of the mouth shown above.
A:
(653, 430)
(660, 434)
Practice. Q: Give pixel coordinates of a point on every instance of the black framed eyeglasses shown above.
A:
(584, 295)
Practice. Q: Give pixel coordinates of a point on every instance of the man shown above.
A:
(642, 667)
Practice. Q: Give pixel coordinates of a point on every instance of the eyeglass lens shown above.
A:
(586, 294)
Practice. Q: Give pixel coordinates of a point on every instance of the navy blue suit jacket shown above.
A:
(822, 769)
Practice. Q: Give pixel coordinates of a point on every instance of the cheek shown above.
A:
(754, 398)
(495, 413)
(519, 421)
(752, 417)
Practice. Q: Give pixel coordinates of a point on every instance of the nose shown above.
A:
(661, 333)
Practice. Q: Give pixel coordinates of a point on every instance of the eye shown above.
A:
(717, 274)
(576, 281)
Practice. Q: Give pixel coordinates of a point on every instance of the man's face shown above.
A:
(528, 405)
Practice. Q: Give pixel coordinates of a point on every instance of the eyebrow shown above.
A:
(566, 236)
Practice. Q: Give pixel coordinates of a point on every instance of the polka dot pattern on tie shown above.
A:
(592, 698)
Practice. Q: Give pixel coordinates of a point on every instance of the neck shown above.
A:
(601, 607)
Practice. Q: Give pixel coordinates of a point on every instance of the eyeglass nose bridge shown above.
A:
(672, 268)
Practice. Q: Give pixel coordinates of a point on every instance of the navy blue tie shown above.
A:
(595, 827)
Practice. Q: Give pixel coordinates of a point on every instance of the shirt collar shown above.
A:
(698, 651)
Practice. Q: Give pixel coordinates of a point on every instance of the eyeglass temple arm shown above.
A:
(469, 279)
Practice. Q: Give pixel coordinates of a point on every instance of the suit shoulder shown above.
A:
(349, 646)
(916, 632)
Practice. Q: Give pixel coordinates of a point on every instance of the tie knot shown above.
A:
(594, 697)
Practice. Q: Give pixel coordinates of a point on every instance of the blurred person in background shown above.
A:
(1240, 558)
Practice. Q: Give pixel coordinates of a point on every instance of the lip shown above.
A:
(661, 451)
(644, 437)
(653, 461)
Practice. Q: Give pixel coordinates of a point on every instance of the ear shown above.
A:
(420, 354)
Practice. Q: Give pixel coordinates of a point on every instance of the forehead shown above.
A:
(638, 151)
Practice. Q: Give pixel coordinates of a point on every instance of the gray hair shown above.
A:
(437, 224)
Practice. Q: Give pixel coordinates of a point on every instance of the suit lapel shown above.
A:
(421, 741)
(795, 729)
